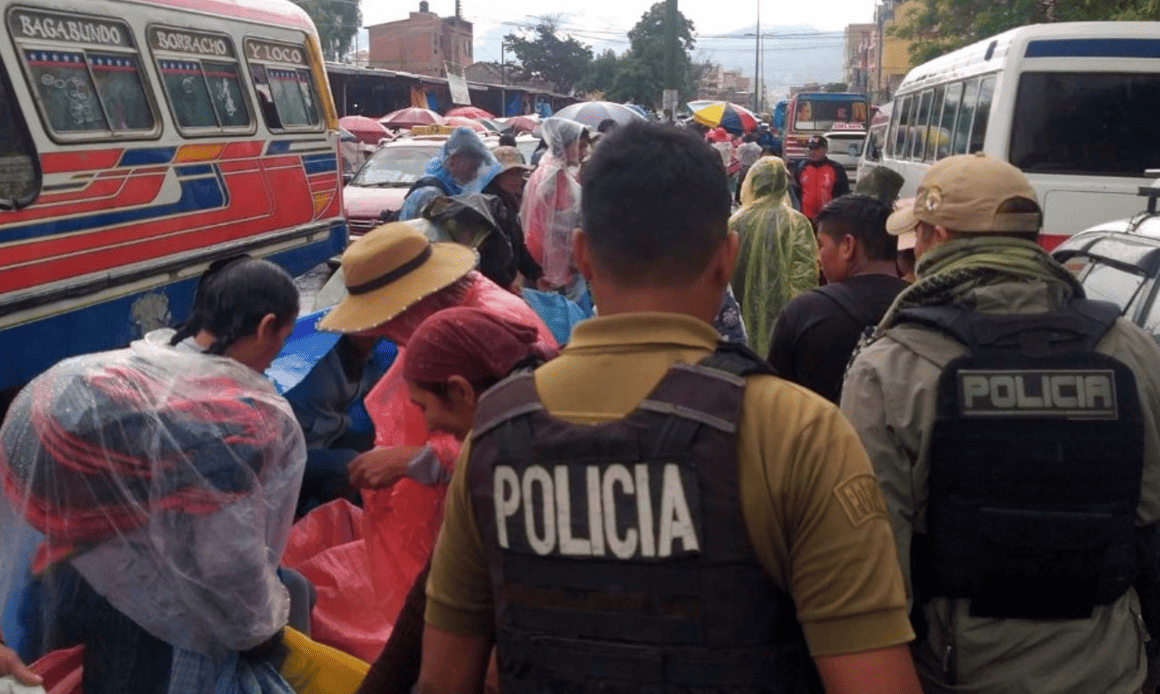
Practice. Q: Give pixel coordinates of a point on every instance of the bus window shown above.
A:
(892, 134)
(200, 74)
(284, 84)
(982, 113)
(1086, 123)
(900, 137)
(88, 83)
(921, 121)
(966, 113)
(934, 135)
(951, 104)
(19, 169)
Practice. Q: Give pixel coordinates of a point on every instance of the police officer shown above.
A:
(653, 512)
(1013, 426)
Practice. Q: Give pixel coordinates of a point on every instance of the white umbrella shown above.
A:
(591, 113)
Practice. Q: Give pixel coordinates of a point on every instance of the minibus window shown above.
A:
(966, 113)
(903, 128)
(285, 89)
(19, 169)
(188, 93)
(87, 81)
(951, 106)
(893, 131)
(66, 91)
(1086, 123)
(225, 89)
(934, 134)
(918, 139)
(200, 73)
(982, 114)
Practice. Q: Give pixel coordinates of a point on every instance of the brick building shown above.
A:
(422, 42)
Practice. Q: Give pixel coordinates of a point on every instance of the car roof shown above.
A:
(1119, 244)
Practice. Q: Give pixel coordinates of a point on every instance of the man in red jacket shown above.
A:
(819, 178)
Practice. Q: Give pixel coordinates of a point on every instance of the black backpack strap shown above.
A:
(427, 182)
(737, 359)
(841, 294)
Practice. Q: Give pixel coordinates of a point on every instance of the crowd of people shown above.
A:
(663, 415)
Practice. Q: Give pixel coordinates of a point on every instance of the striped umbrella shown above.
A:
(736, 119)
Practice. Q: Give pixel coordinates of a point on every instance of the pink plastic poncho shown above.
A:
(550, 211)
(359, 560)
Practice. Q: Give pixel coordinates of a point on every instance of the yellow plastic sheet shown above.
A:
(312, 668)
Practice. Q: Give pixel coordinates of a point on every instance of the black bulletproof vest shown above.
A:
(1035, 465)
(619, 558)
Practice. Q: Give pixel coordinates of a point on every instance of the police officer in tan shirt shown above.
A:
(650, 511)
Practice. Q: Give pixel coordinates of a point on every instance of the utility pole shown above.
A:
(502, 80)
(673, 50)
(757, 64)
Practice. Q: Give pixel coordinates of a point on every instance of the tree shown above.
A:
(600, 75)
(546, 56)
(935, 27)
(648, 57)
(337, 23)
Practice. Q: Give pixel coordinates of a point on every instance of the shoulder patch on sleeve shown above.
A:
(862, 499)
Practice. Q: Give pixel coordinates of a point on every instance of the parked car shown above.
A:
(1120, 262)
(383, 181)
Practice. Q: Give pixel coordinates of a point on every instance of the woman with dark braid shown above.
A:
(154, 488)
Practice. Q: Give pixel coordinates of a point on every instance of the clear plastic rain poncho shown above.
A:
(164, 477)
(550, 211)
(778, 258)
(463, 140)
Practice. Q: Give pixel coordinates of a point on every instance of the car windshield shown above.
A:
(394, 167)
(1086, 123)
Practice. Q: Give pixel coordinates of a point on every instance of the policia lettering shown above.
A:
(622, 519)
(1038, 393)
(619, 556)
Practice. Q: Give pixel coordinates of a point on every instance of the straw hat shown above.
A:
(391, 269)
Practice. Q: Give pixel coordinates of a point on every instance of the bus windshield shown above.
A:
(1086, 123)
(826, 112)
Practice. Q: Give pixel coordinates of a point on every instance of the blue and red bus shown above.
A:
(141, 141)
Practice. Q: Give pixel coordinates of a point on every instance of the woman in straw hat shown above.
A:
(395, 279)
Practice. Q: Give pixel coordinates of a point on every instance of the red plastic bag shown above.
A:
(327, 547)
(62, 670)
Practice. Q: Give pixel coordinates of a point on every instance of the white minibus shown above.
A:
(1073, 105)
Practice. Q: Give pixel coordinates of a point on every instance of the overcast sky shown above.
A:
(604, 23)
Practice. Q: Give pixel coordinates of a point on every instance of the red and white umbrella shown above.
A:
(521, 124)
(469, 112)
(410, 117)
(367, 130)
(457, 121)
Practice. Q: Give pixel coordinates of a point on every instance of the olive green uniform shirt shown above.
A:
(890, 396)
(815, 514)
